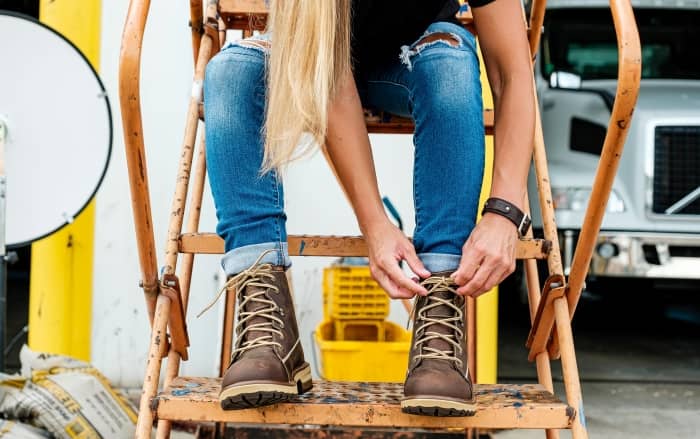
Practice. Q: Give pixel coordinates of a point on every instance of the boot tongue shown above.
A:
(253, 306)
(440, 311)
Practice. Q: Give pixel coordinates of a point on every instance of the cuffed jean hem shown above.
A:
(239, 259)
(437, 262)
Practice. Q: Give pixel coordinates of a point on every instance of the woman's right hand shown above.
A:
(388, 246)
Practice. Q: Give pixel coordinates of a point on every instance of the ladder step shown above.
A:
(367, 405)
(386, 123)
(318, 245)
(247, 14)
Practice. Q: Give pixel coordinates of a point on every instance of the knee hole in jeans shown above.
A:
(431, 39)
(255, 43)
(443, 37)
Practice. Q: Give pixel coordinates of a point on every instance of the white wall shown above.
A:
(315, 205)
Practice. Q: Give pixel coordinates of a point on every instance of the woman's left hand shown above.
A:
(488, 256)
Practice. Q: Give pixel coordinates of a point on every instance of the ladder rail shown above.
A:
(158, 305)
(130, 99)
(177, 211)
(628, 83)
(185, 270)
(536, 20)
(629, 77)
(196, 26)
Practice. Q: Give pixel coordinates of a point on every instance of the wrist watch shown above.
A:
(504, 208)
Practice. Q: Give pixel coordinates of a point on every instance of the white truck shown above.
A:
(651, 229)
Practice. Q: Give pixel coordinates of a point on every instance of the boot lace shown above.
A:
(425, 322)
(257, 275)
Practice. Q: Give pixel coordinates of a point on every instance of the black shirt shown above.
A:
(381, 27)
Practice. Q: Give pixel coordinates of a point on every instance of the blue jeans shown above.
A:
(437, 84)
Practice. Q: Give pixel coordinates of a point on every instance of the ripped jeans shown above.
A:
(434, 81)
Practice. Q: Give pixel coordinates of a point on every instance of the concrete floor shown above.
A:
(650, 411)
(639, 359)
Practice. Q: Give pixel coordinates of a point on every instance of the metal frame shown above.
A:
(551, 309)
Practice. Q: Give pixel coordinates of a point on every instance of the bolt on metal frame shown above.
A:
(551, 309)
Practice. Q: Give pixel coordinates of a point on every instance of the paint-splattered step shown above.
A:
(499, 406)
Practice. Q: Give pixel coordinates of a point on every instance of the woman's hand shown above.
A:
(388, 246)
(488, 256)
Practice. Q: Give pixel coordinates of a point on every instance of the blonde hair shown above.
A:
(310, 54)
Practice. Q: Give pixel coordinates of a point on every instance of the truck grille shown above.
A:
(676, 167)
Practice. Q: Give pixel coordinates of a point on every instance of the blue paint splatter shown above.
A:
(517, 404)
(192, 385)
(581, 414)
(180, 392)
(301, 247)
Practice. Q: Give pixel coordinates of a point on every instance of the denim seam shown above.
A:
(260, 48)
(275, 184)
(416, 158)
(408, 90)
(227, 57)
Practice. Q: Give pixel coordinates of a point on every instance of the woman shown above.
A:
(305, 82)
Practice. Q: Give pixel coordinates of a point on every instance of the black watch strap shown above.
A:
(510, 211)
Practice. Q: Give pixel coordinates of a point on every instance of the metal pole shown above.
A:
(3, 252)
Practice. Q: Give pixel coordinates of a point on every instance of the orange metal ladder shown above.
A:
(374, 404)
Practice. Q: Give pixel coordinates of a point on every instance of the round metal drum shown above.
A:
(59, 128)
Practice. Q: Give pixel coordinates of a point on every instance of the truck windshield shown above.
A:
(583, 41)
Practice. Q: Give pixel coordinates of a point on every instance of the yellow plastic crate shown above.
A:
(374, 330)
(349, 292)
(364, 359)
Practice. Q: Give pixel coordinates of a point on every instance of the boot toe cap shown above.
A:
(246, 370)
(429, 382)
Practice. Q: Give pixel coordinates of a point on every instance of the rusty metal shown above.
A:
(628, 82)
(499, 408)
(130, 100)
(536, 20)
(196, 25)
(367, 405)
(328, 432)
(324, 245)
(187, 261)
(177, 211)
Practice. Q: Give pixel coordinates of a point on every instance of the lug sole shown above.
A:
(437, 407)
(261, 394)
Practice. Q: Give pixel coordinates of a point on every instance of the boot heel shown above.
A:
(303, 379)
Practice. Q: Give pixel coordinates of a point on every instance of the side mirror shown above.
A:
(561, 80)
(565, 80)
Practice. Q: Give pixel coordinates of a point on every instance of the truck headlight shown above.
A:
(576, 199)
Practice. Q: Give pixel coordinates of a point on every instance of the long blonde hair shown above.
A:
(310, 53)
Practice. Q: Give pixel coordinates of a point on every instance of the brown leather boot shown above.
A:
(437, 383)
(267, 364)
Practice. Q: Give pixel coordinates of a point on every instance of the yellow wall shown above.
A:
(60, 303)
(487, 304)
